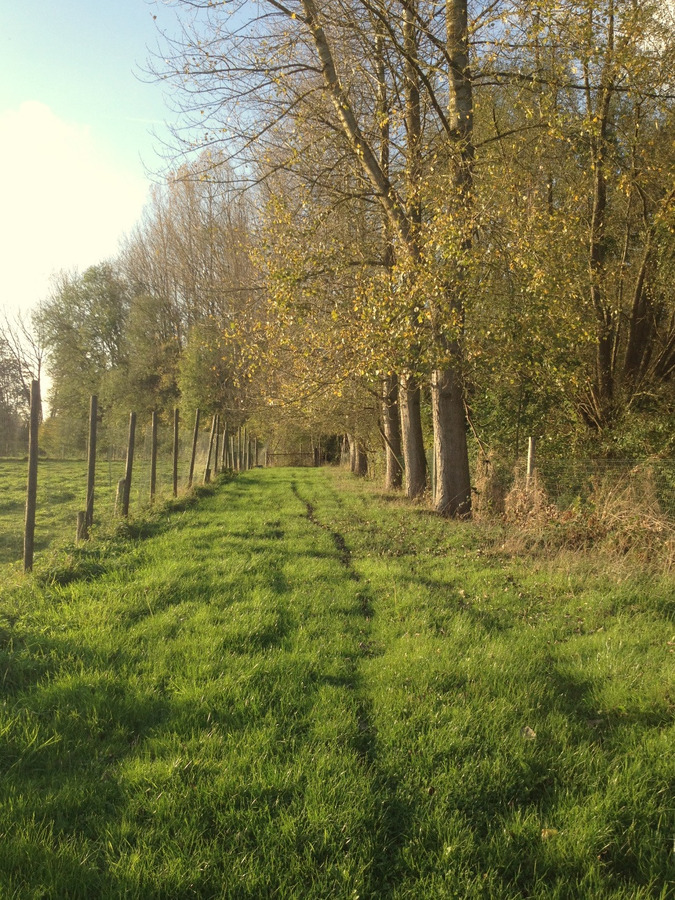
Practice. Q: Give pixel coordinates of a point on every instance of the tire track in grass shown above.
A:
(344, 553)
(394, 819)
(366, 726)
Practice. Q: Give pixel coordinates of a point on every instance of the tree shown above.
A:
(12, 400)
(285, 63)
(482, 206)
(188, 265)
(84, 324)
(578, 229)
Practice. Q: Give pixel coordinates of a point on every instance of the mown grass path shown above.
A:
(296, 689)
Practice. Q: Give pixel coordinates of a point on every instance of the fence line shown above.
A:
(154, 466)
(167, 458)
(566, 482)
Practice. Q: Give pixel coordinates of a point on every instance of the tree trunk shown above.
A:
(452, 488)
(360, 460)
(352, 452)
(598, 244)
(391, 426)
(452, 481)
(411, 437)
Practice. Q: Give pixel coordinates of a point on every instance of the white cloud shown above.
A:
(62, 204)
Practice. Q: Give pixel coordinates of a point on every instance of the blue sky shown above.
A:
(76, 146)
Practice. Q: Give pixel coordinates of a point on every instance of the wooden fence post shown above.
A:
(119, 496)
(81, 534)
(194, 450)
(130, 464)
(239, 449)
(91, 464)
(530, 462)
(153, 458)
(175, 451)
(247, 451)
(207, 468)
(216, 457)
(31, 489)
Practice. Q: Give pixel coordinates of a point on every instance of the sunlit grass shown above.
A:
(296, 689)
(62, 492)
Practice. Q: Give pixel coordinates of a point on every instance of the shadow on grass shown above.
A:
(392, 823)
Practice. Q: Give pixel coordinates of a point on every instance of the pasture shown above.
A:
(62, 489)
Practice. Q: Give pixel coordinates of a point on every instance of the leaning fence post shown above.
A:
(153, 458)
(194, 450)
(130, 464)
(31, 490)
(119, 496)
(175, 452)
(530, 462)
(91, 464)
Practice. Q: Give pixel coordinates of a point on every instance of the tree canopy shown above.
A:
(418, 223)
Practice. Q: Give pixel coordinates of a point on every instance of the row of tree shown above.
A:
(411, 221)
(468, 201)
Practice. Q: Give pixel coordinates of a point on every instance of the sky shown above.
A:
(77, 151)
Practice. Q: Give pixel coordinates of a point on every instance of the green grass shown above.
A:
(62, 491)
(296, 688)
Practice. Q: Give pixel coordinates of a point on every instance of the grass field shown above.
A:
(62, 491)
(296, 688)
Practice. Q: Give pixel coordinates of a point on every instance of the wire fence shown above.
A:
(640, 485)
(567, 483)
(62, 489)
(574, 481)
(645, 484)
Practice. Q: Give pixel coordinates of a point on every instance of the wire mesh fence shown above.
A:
(574, 481)
(570, 482)
(639, 486)
(644, 484)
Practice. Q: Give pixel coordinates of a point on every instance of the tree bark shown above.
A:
(597, 250)
(360, 460)
(452, 481)
(452, 484)
(411, 437)
(391, 427)
(352, 452)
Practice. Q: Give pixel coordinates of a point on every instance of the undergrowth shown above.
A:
(620, 518)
